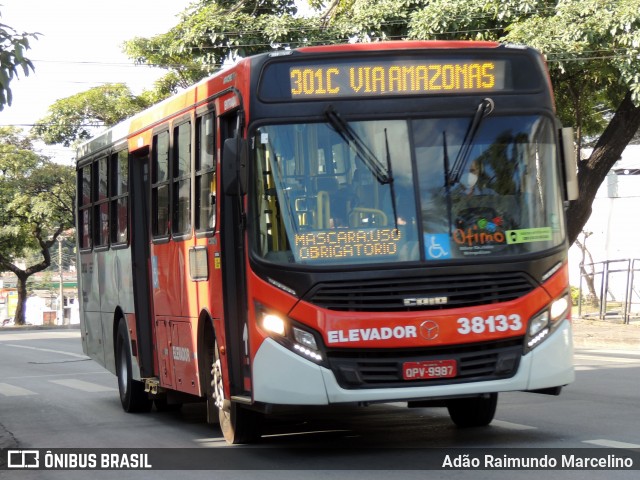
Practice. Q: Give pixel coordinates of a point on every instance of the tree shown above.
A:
(211, 31)
(37, 207)
(12, 49)
(75, 118)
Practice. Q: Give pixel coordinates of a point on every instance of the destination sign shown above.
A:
(396, 77)
(345, 244)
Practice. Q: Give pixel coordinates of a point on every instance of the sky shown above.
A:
(80, 47)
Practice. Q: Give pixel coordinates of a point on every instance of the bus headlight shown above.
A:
(305, 344)
(289, 334)
(273, 324)
(538, 330)
(541, 325)
(559, 308)
(538, 324)
(306, 339)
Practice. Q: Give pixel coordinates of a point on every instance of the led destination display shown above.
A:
(347, 244)
(396, 77)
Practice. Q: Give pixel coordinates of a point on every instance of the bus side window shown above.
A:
(181, 179)
(101, 205)
(84, 199)
(119, 186)
(160, 185)
(205, 203)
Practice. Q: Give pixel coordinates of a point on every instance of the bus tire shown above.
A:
(132, 395)
(237, 423)
(473, 411)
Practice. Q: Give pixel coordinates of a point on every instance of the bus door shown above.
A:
(234, 275)
(140, 257)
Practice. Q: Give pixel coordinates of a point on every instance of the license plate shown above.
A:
(429, 370)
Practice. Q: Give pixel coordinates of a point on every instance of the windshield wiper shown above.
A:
(447, 180)
(484, 109)
(391, 184)
(359, 146)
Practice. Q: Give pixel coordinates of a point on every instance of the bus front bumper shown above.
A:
(281, 377)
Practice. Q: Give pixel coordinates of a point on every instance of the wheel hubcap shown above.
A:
(216, 384)
(124, 378)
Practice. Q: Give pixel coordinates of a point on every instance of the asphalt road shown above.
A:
(52, 396)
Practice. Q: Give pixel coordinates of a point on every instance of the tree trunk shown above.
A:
(592, 172)
(20, 317)
(23, 275)
(589, 278)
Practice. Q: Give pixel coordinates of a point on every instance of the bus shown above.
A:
(330, 225)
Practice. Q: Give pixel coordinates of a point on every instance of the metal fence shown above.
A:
(610, 290)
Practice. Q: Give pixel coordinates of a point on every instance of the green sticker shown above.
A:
(527, 235)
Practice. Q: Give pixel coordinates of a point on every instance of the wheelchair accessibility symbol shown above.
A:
(437, 246)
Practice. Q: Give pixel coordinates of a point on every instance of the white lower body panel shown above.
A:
(284, 378)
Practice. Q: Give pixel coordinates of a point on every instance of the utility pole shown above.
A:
(61, 293)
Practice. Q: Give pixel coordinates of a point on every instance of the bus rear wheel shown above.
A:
(473, 411)
(238, 424)
(132, 395)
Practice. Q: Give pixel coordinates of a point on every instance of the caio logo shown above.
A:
(425, 301)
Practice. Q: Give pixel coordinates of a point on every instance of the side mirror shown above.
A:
(234, 166)
(570, 165)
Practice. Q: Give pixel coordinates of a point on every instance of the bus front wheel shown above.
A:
(473, 411)
(238, 424)
(132, 394)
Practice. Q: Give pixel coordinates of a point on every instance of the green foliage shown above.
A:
(75, 118)
(37, 206)
(13, 46)
(36, 196)
(209, 32)
(365, 21)
(592, 46)
(593, 50)
(575, 295)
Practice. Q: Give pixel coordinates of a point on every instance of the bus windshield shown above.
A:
(362, 192)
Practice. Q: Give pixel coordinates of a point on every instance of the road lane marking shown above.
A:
(600, 359)
(603, 442)
(604, 351)
(594, 360)
(8, 390)
(48, 350)
(602, 367)
(511, 426)
(83, 386)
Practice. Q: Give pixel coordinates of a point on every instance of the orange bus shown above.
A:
(329, 225)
